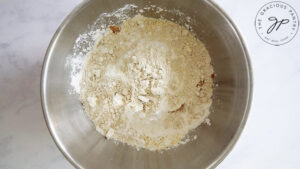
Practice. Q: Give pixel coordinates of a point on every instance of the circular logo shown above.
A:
(276, 23)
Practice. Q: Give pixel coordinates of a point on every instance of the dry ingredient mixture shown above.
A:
(147, 83)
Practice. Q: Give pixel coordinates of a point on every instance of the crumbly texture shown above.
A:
(147, 83)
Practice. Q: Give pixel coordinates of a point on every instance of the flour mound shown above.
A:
(147, 83)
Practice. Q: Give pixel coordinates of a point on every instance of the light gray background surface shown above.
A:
(272, 134)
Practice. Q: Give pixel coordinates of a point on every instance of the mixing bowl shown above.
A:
(76, 136)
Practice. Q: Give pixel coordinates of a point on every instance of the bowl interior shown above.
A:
(75, 134)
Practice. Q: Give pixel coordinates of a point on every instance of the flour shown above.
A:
(85, 41)
(147, 84)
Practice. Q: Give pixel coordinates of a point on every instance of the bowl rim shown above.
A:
(48, 54)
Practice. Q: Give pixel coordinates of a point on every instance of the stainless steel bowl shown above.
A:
(84, 147)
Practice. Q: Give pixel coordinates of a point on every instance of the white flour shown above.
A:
(147, 85)
(146, 104)
(96, 31)
(85, 42)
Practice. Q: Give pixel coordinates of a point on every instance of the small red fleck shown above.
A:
(212, 75)
(114, 29)
(200, 83)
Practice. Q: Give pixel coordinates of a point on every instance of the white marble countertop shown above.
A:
(270, 140)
